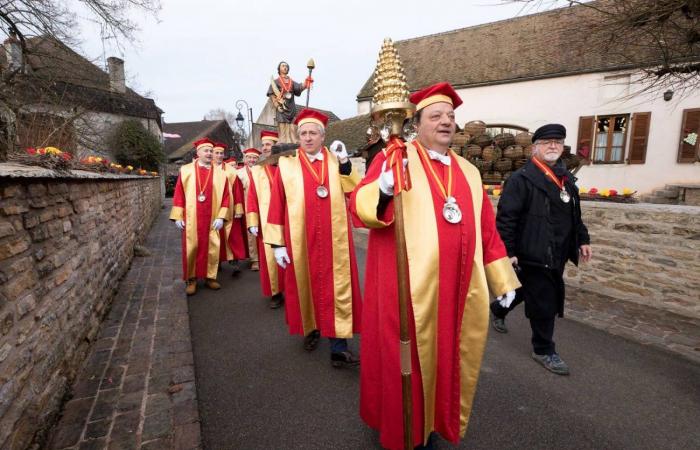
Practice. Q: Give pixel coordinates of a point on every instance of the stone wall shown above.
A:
(65, 241)
(644, 279)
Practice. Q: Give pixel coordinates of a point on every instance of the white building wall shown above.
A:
(565, 99)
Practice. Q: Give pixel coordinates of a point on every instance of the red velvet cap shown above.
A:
(203, 143)
(441, 92)
(220, 145)
(271, 135)
(309, 115)
(252, 151)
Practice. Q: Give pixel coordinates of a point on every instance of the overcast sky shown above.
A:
(207, 54)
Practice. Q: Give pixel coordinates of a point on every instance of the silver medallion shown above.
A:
(288, 95)
(564, 196)
(322, 192)
(201, 197)
(451, 211)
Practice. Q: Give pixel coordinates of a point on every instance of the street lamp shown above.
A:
(240, 119)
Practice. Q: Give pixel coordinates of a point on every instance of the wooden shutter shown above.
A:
(584, 143)
(639, 138)
(688, 153)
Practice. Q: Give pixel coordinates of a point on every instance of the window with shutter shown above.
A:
(610, 138)
(585, 136)
(640, 137)
(688, 149)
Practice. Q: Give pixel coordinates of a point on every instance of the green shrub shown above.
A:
(134, 145)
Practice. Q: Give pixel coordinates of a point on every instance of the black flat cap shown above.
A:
(550, 131)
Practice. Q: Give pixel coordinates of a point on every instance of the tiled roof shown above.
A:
(547, 44)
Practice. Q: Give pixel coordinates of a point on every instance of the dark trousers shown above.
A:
(542, 329)
(338, 345)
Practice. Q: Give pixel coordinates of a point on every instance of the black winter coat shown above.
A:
(524, 218)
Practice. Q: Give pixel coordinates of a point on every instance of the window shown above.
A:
(689, 147)
(610, 138)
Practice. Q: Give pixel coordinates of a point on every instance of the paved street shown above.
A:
(258, 389)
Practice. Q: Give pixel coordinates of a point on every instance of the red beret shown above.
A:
(219, 145)
(309, 115)
(252, 151)
(203, 143)
(441, 92)
(271, 135)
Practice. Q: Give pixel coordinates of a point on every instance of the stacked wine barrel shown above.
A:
(495, 155)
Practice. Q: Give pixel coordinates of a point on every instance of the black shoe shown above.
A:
(552, 362)
(311, 340)
(344, 359)
(276, 301)
(236, 268)
(499, 325)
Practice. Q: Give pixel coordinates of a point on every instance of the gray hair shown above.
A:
(321, 130)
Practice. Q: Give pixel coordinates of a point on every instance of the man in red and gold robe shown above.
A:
(257, 208)
(250, 157)
(200, 208)
(309, 228)
(455, 256)
(232, 235)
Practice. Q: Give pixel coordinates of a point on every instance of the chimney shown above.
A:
(115, 67)
(13, 52)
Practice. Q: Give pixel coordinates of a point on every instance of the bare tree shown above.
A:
(219, 114)
(33, 28)
(660, 37)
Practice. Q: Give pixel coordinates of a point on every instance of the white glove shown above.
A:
(338, 148)
(507, 299)
(281, 256)
(218, 223)
(386, 179)
(253, 230)
(238, 216)
(180, 224)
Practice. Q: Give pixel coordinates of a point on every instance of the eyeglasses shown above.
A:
(548, 142)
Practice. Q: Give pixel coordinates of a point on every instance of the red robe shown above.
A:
(321, 284)
(234, 233)
(257, 206)
(451, 268)
(200, 242)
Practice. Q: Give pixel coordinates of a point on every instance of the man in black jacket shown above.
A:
(539, 220)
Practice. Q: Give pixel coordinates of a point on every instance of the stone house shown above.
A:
(511, 72)
(62, 99)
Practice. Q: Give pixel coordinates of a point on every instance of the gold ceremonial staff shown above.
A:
(391, 108)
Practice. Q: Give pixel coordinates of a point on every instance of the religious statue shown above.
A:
(282, 91)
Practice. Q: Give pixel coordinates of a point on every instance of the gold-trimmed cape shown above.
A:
(306, 289)
(480, 257)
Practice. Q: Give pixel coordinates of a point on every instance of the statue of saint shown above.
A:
(282, 91)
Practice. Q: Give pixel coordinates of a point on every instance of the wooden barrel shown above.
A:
(518, 163)
(503, 140)
(481, 164)
(457, 150)
(503, 165)
(472, 150)
(513, 152)
(527, 151)
(475, 127)
(460, 139)
(482, 140)
(492, 177)
(506, 175)
(491, 153)
(523, 138)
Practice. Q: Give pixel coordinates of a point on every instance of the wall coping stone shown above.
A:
(13, 170)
